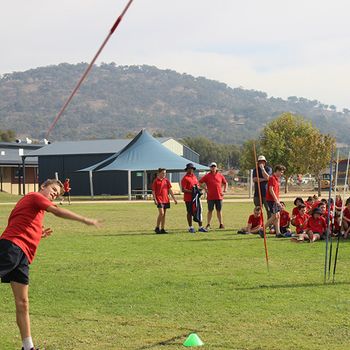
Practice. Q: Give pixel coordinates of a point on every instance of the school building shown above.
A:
(68, 159)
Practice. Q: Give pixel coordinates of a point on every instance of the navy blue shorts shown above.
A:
(273, 207)
(214, 202)
(14, 265)
(163, 205)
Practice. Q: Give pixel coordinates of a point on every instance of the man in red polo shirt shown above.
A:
(20, 240)
(272, 198)
(215, 185)
(187, 183)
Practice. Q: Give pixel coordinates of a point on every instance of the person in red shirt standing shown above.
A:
(215, 185)
(66, 188)
(19, 243)
(187, 183)
(254, 224)
(161, 188)
(272, 199)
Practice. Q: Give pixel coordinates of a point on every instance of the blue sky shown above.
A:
(284, 48)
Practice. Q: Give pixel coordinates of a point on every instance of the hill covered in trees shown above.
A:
(118, 100)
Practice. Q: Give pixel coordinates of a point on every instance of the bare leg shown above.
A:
(20, 293)
(160, 216)
(219, 215)
(162, 222)
(209, 216)
(189, 219)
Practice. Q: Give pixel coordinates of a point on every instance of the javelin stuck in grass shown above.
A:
(341, 217)
(114, 27)
(328, 215)
(261, 206)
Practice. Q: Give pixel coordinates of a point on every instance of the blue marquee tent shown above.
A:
(143, 153)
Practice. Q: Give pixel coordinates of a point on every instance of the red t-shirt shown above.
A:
(295, 211)
(66, 186)
(161, 189)
(346, 213)
(187, 183)
(255, 221)
(214, 184)
(300, 222)
(284, 218)
(25, 223)
(317, 225)
(275, 184)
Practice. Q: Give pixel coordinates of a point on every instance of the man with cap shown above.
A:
(187, 183)
(215, 185)
(264, 172)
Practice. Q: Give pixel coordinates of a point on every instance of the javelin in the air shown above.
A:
(114, 27)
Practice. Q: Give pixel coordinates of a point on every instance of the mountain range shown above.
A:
(116, 101)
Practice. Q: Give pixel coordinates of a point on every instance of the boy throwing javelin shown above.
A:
(19, 242)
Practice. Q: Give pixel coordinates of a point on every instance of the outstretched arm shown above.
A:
(67, 214)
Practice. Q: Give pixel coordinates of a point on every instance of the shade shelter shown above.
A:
(144, 153)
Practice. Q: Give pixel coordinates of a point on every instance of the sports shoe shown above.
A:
(191, 230)
(279, 235)
(221, 226)
(157, 230)
(163, 231)
(202, 229)
(261, 233)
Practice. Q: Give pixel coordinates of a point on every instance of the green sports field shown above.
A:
(123, 287)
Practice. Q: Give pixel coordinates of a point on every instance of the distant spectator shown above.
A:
(67, 188)
(161, 188)
(215, 185)
(188, 182)
(272, 198)
(264, 172)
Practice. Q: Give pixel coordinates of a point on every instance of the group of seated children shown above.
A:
(309, 219)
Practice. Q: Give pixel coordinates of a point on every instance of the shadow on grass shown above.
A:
(297, 285)
(171, 341)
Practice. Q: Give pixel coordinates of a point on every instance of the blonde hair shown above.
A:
(50, 182)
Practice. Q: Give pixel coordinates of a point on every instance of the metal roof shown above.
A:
(10, 156)
(87, 147)
(81, 147)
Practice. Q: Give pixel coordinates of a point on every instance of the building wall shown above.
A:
(9, 181)
(104, 182)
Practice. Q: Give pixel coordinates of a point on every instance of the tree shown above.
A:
(293, 142)
(7, 135)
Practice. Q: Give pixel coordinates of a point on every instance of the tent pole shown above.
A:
(91, 185)
(129, 185)
(145, 184)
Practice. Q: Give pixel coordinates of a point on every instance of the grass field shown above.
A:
(123, 287)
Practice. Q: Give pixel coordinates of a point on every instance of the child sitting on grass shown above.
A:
(254, 224)
(300, 221)
(285, 221)
(316, 225)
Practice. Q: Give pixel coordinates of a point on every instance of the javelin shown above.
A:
(114, 27)
(261, 207)
(328, 215)
(333, 213)
(341, 217)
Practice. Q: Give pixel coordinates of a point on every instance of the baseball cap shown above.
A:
(261, 158)
(190, 166)
(213, 164)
